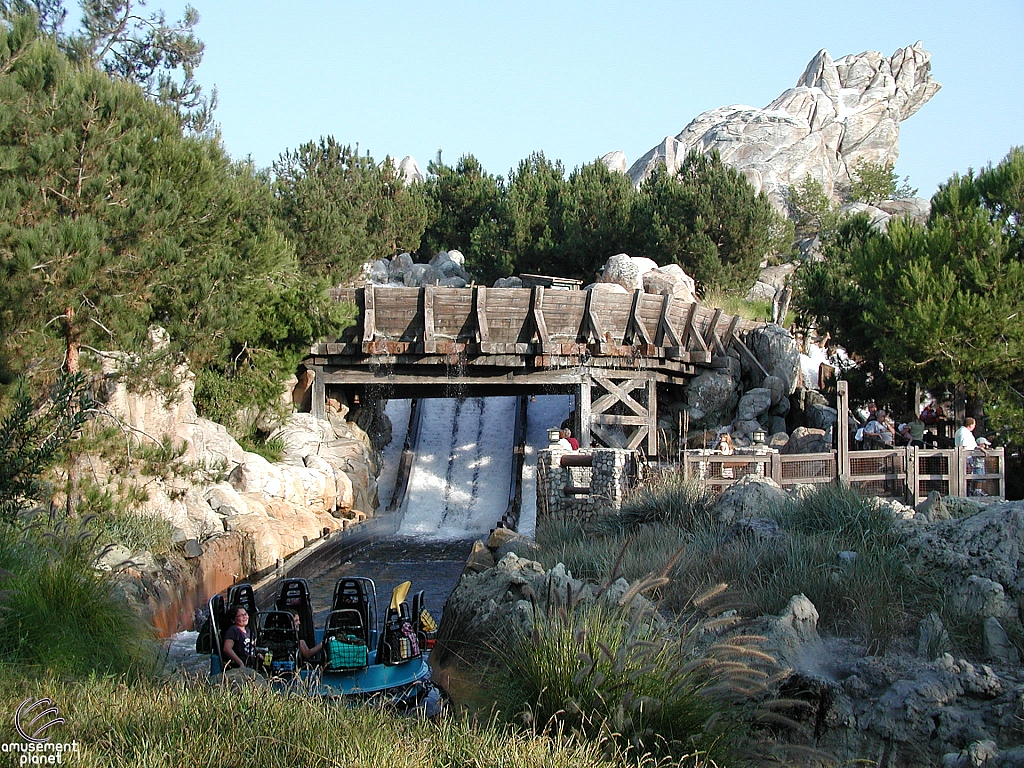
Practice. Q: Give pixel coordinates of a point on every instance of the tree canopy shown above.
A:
(938, 304)
(109, 209)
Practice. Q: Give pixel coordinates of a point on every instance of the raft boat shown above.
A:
(385, 663)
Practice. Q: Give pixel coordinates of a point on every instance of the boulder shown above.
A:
(627, 271)
(778, 352)
(710, 396)
(932, 637)
(670, 280)
(806, 440)
(751, 496)
(398, 266)
(606, 288)
(508, 282)
(753, 403)
(761, 292)
(615, 161)
(933, 509)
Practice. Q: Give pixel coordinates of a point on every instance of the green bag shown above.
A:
(348, 652)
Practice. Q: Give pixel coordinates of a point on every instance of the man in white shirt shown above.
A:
(964, 436)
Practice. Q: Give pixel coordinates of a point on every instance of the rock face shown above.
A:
(840, 112)
(326, 480)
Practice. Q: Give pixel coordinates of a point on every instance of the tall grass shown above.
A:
(148, 725)
(57, 612)
(877, 597)
(606, 674)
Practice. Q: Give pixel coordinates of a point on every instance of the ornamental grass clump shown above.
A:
(610, 673)
(666, 498)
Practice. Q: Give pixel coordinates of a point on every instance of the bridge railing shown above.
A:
(908, 474)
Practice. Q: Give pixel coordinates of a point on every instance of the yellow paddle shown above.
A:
(399, 594)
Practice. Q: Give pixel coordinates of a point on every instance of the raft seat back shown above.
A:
(359, 594)
(278, 635)
(219, 622)
(419, 602)
(293, 595)
(346, 621)
(391, 636)
(243, 595)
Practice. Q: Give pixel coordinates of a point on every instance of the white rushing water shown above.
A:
(544, 412)
(391, 456)
(459, 483)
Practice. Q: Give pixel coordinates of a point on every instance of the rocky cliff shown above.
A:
(840, 112)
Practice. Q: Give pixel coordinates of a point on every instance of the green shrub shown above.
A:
(666, 498)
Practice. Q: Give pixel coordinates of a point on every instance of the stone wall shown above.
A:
(608, 479)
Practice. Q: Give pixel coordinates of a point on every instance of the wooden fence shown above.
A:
(906, 474)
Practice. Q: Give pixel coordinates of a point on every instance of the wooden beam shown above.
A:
(369, 328)
(482, 334)
(711, 337)
(635, 326)
(665, 328)
(652, 417)
(429, 342)
(591, 330)
(751, 357)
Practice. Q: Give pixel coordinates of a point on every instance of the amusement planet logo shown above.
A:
(32, 720)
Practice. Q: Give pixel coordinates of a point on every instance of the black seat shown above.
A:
(390, 650)
(293, 595)
(278, 635)
(358, 593)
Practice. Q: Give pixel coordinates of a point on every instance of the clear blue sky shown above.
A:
(578, 79)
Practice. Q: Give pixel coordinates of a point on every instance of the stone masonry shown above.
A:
(608, 478)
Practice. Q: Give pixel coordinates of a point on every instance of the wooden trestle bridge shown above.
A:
(609, 350)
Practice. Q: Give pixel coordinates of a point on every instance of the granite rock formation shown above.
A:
(840, 112)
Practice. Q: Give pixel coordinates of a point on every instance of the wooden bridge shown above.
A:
(609, 350)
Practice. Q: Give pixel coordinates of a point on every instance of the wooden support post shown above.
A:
(429, 342)
(483, 330)
(958, 472)
(635, 325)
(666, 332)
(369, 321)
(652, 417)
(591, 330)
(711, 340)
(776, 467)
(583, 409)
(537, 315)
(843, 431)
(318, 404)
(913, 484)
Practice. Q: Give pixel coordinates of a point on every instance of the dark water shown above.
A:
(433, 566)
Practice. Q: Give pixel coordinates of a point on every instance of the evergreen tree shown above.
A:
(463, 200)
(938, 304)
(342, 210)
(874, 182)
(106, 208)
(159, 56)
(709, 220)
(534, 210)
(597, 219)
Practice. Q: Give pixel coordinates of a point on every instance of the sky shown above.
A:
(577, 79)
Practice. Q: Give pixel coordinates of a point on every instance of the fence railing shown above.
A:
(907, 474)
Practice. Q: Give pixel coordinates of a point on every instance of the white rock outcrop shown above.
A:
(840, 112)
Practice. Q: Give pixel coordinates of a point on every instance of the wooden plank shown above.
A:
(429, 342)
(634, 325)
(614, 419)
(483, 331)
(665, 328)
(369, 320)
(652, 417)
